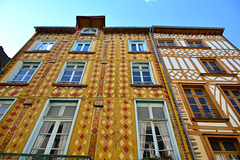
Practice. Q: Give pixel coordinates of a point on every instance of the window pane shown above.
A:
(161, 129)
(140, 47)
(144, 128)
(3, 108)
(49, 46)
(146, 74)
(54, 111)
(227, 93)
(134, 48)
(236, 93)
(86, 47)
(191, 100)
(67, 73)
(198, 44)
(198, 92)
(188, 91)
(147, 79)
(26, 78)
(164, 142)
(229, 146)
(232, 101)
(43, 46)
(69, 111)
(22, 73)
(215, 146)
(65, 78)
(158, 113)
(234, 157)
(79, 47)
(203, 100)
(30, 73)
(137, 79)
(76, 79)
(191, 44)
(136, 73)
(170, 44)
(147, 153)
(161, 43)
(143, 113)
(18, 78)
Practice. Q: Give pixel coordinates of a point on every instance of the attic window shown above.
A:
(92, 31)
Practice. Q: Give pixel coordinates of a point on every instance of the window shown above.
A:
(72, 72)
(89, 30)
(199, 103)
(154, 136)
(225, 149)
(142, 73)
(213, 67)
(234, 98)
(24, 72)
(45, 44)
(195, 44)
(5, 105)
(169, 43)
(82, 45)
(137, 46)
(53, 130)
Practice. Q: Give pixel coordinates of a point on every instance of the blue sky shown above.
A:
(18, 17)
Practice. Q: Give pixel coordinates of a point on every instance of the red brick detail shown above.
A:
(105, 148)
(5, 127)
(126, 149)
(12, 129)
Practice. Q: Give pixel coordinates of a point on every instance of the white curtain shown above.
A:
(220, 157)
(63, 138)
(42, 140)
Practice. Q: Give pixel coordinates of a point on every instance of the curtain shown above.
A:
(63, 138)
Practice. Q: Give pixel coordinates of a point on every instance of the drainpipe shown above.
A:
(174, 103)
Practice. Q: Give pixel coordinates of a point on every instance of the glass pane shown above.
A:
(3, 108)
(143, 113)
(70, 67)
(146, 142)
(161, 43)
(69, 111)
(140, 47)
(76, 79)
(57, 152)
(22, 73)
(236, 93)
(54, 111)
(18, 78)
(66, 78)
(203, 100)
(161, 129)
(43, 46)
(170, 43)
(26, 78)
(220, 157)
(78, 73)
(136, 73)
(164, 142)
(147, 79)
(30, 73)
(198, 92)
(147, 153)
(191, 44)
(232, 101)
(229, 146)
(215, 146)
(191, 100)
(37, 151)
(187, 91)
(134, 48)
(86, 47)
(137, 79)
(234, 157)
(67, 73)
(79, 47)
(144, 128)
(227, 93)
(158, 113)
(49, 46)
(198, 44)
(146, 74)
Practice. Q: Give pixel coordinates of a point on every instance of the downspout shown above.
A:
(174, 103)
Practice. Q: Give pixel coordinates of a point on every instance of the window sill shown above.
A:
(210, 119)
(38, 51)
(80, 52)
(69, 85)
(14, 84)
(146, 85)
(184, 47)
(218, 74)
(138, 52)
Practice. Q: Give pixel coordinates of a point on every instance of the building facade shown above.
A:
(90, 90)
(204, 69)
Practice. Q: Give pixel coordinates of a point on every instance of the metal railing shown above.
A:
(206, 113)
(22, 156)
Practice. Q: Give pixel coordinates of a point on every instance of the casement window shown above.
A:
(195, 43)
(213, 67)
(225, 148)
(82, 45)
(45, 44)
(53, 130)
(142, 73)
(89, 31)
(24, 72)
(169, 43)
(200, 104)
(5, 105)
(72, 72)
(137, 46)
(155, 134)
(234, 97)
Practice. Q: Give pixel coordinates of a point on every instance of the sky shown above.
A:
(19, 17)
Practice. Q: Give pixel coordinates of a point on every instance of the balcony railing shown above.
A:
(206, 113)
(22, 156)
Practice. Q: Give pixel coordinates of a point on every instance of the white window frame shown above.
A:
(150, 70)
(16, 71)
(34, 134)
(169, 125)
(63, 69)
(48, 41)
(7, 98)
(84, 31)
(83, 41)
(143, 42)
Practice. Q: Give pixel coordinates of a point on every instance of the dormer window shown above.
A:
(92, 31)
